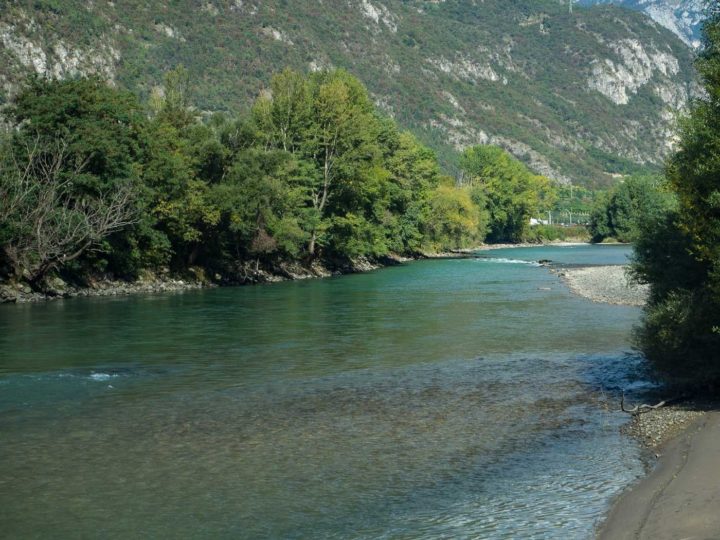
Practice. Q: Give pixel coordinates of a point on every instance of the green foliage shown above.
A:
(45, 221)
(101, 126)
(512, 193)
(312, 171)
(103, 134)
(455, 220)
(623, 212)
(365, 185)
(261, 205)
(679, 255)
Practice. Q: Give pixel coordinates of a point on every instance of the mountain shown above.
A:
(577, 94)
(682, 17)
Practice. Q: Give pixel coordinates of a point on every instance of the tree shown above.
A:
(326, 121)
(171, 102)
(621, 213)
(414, 174)
(261, 205)
(183, 158)
(680, 255)
(44, 223)
(102, 127)
(454, 219)
(512, 193)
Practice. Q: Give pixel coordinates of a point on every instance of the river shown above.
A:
(439, 399)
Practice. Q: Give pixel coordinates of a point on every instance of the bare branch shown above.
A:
(640, 409)
(51, 223)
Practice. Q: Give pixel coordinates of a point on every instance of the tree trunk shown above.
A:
(311, 245)
(194, 252)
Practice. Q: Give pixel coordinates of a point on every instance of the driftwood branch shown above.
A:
(640, 409)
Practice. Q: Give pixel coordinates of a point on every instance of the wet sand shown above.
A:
(680, 498)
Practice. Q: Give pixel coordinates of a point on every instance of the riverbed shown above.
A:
(441, 398)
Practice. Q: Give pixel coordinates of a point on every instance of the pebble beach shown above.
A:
(609, 284)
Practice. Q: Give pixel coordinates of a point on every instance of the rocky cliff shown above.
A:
(682, 17)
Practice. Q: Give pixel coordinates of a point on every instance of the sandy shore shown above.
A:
(609, 284)
(680, 499)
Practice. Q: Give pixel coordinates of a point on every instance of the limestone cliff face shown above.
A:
(682, 17)
(27, 44)
(634, 67)
(577, 95)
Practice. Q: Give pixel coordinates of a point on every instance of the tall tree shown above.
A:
(680, 257)
(327, 121)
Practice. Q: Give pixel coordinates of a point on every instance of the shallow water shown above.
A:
(448, 398)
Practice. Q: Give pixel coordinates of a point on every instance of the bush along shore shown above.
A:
(677, 252)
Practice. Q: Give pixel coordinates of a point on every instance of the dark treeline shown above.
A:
(621, 212)
(678, 249)
(94, 182)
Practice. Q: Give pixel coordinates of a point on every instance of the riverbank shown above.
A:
(195, 278)
(681, 496)
(246, 274)
(606, 284)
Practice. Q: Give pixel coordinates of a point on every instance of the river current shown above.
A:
(469, 398)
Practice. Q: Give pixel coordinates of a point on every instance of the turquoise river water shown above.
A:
(439, 399)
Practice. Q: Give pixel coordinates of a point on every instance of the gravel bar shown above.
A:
(608, 284)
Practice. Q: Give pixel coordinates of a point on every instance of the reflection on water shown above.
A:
(438, 399)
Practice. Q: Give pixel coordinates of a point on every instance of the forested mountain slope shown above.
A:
(577, 95)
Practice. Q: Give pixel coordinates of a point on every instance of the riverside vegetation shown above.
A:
(678, 251)
(621, 212)
(94, 182)
(674, 223)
